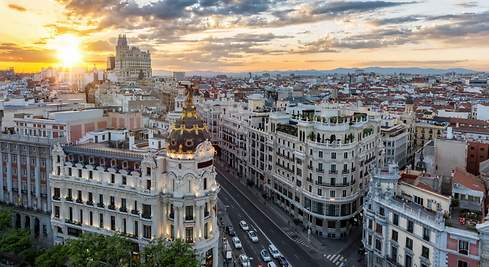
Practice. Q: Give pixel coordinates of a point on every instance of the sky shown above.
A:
(249, 35)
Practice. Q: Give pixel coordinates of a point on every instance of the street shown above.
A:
(240, 208)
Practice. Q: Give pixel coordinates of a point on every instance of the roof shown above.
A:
(468, 180)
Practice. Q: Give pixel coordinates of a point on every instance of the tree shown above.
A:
(53, 257)
(5, 219)
(99, 250)
(170, 254)
(15, 240)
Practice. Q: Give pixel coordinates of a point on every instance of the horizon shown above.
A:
(249, 35)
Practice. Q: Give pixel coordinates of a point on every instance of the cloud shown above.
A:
(398, 63)
(17, 7)
(396, 20)
(341, 7)
(99, 46)
(14, 52)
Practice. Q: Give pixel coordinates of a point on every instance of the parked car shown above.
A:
(274, 251)
(283, 262)
(271, 264)
(253, 237)
(237, 243)
(244, 260)
(230, 230)
(265, 255)
(244, 226)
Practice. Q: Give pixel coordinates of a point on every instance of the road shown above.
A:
(241, 208)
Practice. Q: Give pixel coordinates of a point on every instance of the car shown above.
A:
(244, 260)
(274, 251)
(230, 230)
(283, 261)
(265, 255)
(271, 264)
(237, 243)
(253, 237)
(244, 226)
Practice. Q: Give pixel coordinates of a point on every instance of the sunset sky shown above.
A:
(248, 35)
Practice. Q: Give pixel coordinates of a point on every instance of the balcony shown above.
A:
(171, 216)
(320, 170)
(111, 207)
(135, 212)
(123, 209)
(56, 198)
(333, 172)
(90, 203)
(189, 218)
(206, 214)
(79, 200)
(69, 198)
(345, 171)
(100, 205)
(146, 216)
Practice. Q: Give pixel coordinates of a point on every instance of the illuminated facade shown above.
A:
(169, 193)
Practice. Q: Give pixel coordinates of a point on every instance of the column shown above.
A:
(1, 176)
(19, 176)
(215, 257)
(37, 180)
(9, 176)
(28, 166)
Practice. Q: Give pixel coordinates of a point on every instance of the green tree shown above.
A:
(15, 240)
(5, 219)
(169, 254)
(56, 256)
(99, 250)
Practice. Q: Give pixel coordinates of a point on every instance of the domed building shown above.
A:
(144, 195)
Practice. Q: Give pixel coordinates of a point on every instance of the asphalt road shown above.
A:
(240, 208)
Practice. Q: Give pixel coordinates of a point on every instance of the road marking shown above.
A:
(246, 213)
(258, 208)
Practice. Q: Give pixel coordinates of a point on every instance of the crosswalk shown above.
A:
(336, 259)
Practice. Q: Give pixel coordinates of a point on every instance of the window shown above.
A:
(320, 154)
(462, 264)
(408, 261)
(395, 219)
(370, 225)
(57, 193)
(395, 235)
(205, 183)
(101, 220)
(394, 254)
(418, 200)
(378, 245)
(147, 231)
(56, 211)
(189, 213)
(90, 218)
(409, 243)
(425, 252)
(333, 155)
(206, 230)
(124, 180)
(189, 234)
(381, 211)
(136, 229)
(90, 174)
(463, 247)
(332, 193)
(426, 234)
(112, 178)
(81, 216)
(79, 173)
(148, 184)
(410, 226)
(148, 171)
(378, 228)
(146, 211)
(112, 223)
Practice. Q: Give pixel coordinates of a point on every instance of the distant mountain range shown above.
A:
(379, 70)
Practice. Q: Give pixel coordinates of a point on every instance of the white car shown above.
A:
(252, 235)
(271, 264)
(237, 242)
(265, 256)
(244, 260)
(274, 251)
(244, 226)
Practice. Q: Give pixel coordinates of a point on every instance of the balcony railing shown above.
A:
(69, 198)
(100, 205)
(78, 200)
(123, 209)
(90, 202)
(56, 198)
(135, 212)
(333, 172)
(146, 216)
(111, 207)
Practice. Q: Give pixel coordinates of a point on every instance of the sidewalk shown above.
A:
(298, 233)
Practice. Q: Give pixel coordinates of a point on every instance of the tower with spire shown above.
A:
(131, 63)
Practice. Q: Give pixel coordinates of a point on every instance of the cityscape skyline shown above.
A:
(241, 36)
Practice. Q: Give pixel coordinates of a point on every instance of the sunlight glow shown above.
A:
(68, 50)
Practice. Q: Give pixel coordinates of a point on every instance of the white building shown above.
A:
(99, 187)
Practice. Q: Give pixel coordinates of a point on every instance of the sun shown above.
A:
(68, 50)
